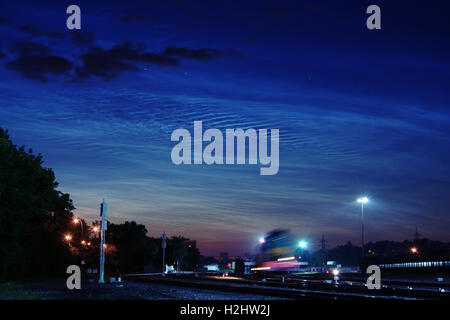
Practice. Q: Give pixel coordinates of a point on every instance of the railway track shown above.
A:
(295, 288)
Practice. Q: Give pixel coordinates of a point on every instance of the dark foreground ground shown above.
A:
(127, 290)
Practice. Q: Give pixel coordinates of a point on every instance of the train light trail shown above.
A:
(260, 268)
(286, 259)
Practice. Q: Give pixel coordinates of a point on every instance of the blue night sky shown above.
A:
(360, 112)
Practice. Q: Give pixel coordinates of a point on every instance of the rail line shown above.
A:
(294, 288)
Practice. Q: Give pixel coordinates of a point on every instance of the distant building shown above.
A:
(212, 267)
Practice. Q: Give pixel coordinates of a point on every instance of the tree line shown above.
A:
(35, 218)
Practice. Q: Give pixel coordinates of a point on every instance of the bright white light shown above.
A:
(363, 200)
(302, 244)
(262, 240)
(335, 272)
(260, 268)
(286, 259)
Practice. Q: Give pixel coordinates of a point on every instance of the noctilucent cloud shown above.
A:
(360, 112)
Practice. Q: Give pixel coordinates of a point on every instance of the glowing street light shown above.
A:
(362, 200)
(95, 229)
(302, 244)
(262, 240)
(78, 221)
(83, 242)
(414, 250)
(336, 274)
(68, 237)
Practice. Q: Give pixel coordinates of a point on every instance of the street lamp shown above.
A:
(68, 237)
(262, 240)
(362, 200)
(95, 229)
(414, 250)
(76, 221)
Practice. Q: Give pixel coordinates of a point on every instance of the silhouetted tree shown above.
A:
(134, 248)
(33, 215)
(181, 255)
(347, 255)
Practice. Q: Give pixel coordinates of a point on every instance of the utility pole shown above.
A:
(103, 226)
(164, 253)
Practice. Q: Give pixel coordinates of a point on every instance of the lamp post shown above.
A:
(76, 221)
(362, 200)
(95, 229)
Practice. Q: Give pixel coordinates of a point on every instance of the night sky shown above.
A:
(360, 112)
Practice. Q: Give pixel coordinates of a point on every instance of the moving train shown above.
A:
(278, 251)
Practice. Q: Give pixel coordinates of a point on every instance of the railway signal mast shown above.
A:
(164, 237)
(103, 212)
